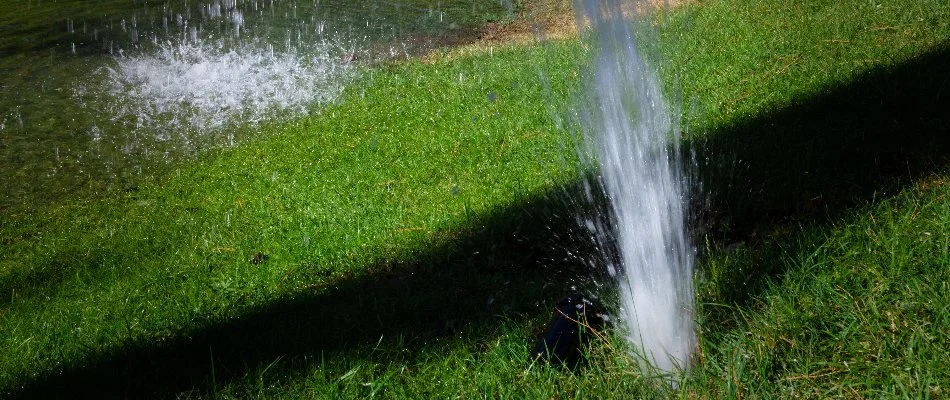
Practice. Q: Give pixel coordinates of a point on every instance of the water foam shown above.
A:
(632, 140)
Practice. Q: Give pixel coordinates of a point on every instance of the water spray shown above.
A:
(631, 142)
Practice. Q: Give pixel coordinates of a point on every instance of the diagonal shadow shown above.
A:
(510, 265)
(870, 135)
(812, 162)
(807, 164)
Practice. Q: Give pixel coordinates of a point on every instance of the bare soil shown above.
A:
(538, 20)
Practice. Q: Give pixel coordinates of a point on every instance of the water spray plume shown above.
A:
(198, 85)
(632, 142)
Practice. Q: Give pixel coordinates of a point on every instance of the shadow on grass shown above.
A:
(804, 165)
(776, 176)
(508, 266)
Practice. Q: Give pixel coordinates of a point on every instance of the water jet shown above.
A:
(631, 142)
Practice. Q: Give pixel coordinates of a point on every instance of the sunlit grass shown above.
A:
(413, 236)
(411, 159)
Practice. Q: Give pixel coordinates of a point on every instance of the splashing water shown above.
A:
(202, 86)
(96, 94)
(633, 139)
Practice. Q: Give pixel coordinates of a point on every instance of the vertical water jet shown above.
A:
(631, 143)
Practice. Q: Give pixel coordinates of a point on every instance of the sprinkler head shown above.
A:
(576, 318)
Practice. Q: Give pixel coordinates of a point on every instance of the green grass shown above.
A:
(859, 310)
(54, 79)
(401, 171)
(416, 232)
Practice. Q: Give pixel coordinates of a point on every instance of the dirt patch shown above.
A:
(538, 20)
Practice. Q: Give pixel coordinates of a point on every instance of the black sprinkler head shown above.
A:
(575, 320)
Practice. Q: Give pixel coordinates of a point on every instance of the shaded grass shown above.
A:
(807, 166)
(438, 235)
(814, 138)
(402, 165)
(395, 309)
(860, 311)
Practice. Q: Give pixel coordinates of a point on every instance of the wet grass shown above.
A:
(414, 159)
(62, 136)
(414, 237)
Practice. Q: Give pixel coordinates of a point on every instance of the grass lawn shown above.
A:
(410, 240)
